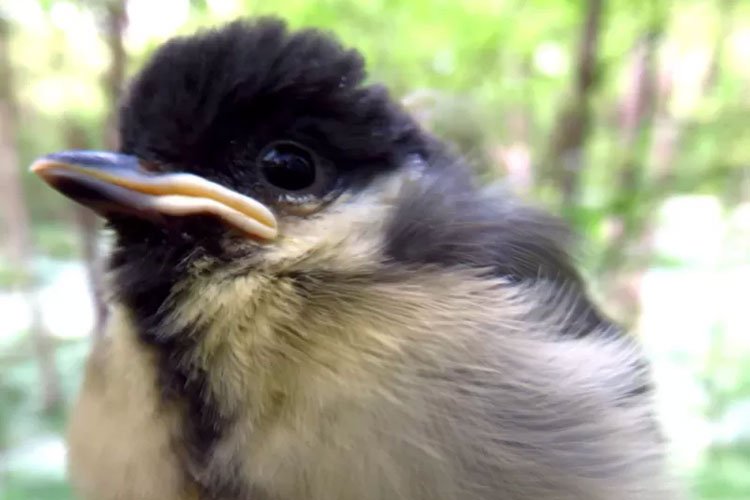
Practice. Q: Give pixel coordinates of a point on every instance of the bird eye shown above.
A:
(287, 166)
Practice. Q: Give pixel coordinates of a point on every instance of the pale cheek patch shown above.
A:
(346, 236)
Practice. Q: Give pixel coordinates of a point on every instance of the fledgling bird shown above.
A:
(313, 300)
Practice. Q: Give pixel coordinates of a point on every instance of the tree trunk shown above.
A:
(17, 225)
(568, 139)
(16, 218)
(629, 241)
(515, 154)
(114, 21)
(88, 229)
(636, 123)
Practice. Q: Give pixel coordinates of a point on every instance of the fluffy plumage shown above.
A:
(412, 338)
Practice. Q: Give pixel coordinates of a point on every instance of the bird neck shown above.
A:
(262, 351)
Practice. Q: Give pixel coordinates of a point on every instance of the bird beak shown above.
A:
(117, 183)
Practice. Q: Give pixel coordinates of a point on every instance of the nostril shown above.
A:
(151, 167)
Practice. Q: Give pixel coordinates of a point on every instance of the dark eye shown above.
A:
(287, 166)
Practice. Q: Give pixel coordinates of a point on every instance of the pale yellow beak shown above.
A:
(110, 182)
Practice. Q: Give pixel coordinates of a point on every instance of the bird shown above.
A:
(313, 297)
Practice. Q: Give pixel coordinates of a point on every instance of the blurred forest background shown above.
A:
(629, 117)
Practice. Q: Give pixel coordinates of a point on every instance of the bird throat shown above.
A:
(182, 380)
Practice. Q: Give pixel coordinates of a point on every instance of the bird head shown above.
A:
(244, 141)
(255, 150)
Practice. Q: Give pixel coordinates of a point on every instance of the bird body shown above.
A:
(368, 417)
(313, 301)
(120, 434)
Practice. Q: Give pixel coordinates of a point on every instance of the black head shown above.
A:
(220, 104)
(256, 148)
